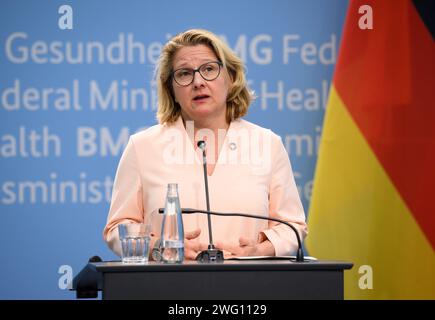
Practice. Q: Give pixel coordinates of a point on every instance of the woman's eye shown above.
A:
(184, 73)
(208, 69)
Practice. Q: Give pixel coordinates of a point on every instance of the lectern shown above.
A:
(232, 279)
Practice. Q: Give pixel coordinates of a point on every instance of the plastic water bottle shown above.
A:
(172, 237)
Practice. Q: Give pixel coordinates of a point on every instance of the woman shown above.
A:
(202, 95)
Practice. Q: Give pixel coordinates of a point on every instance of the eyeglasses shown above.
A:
(208, 71)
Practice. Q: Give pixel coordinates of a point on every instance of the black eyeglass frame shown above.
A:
(220, 64)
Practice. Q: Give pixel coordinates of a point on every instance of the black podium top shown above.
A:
(227, 265)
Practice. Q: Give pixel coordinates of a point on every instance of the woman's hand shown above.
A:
(247, 247)
(192, 247)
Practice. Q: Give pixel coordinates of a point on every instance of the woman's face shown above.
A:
(201, 100)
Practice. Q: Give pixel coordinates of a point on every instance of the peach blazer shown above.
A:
(253, 175)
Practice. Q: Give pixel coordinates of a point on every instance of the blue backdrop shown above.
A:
(71, 97)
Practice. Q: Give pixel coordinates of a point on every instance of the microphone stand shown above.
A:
(299, 253)
(211, 254)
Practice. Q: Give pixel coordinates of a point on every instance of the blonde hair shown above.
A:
(239, 96)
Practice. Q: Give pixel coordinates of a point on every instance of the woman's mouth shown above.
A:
(201, 98)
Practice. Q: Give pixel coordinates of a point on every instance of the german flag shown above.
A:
(373, 199)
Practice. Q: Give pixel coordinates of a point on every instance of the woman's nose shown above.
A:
(198, 81)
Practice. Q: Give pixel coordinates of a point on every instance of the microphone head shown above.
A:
(201, 144)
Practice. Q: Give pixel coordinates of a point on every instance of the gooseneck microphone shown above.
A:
(211, 254)
(299, 253)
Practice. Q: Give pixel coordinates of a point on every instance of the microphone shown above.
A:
(299, 253)
(211, 254)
